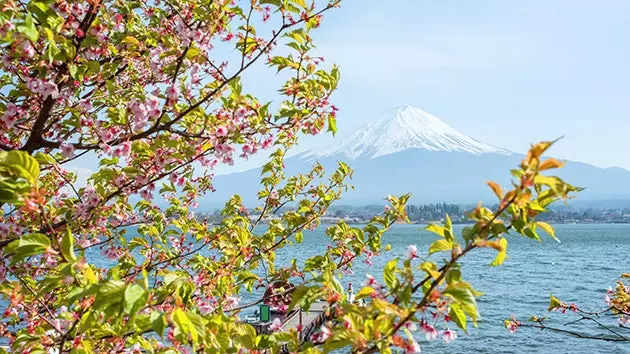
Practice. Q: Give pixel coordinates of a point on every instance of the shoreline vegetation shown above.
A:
(434, 213)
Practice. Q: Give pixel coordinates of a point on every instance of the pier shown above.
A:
(309, 321)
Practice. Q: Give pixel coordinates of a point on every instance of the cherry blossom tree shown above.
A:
(144, 90)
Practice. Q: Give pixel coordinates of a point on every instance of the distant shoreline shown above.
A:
(435, 213)
(363, 222)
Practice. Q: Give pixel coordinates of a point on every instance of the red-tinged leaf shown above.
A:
(550, 164)
(496, 189)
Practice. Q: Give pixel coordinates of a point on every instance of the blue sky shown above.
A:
(508, 73)
(504, 72)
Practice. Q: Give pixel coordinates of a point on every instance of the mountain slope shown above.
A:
(409, 150)
(405, 128)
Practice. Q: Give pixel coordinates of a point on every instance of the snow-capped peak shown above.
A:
(406, 128)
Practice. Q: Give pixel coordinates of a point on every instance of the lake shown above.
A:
(588, 260)
(579, 269)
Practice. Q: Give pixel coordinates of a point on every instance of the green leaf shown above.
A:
(554, 303)
(462, 293)
(389, 273)
(430, 268)
(29, 30)
(170, 277)
(52, 49)
(436, 229)
(109, 292)
(272, 2)
(184, 323)
(29, 245)
(73, 70)
(67, 246)
(94, 66)
(531, 233)
(302, 3)
(500, 258)
(454, 274)
(336, 285)
(365, 292)
(158, 323)
(458, 315)
(297, 295)
(448, 229)
(440, 246)
(548, 229)
(130, 40)
(133, 294)
(19, 164)
(332, 124)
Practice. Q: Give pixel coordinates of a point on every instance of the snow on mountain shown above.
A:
(407, 150)
(401, 129)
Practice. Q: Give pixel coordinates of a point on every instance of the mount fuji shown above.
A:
(407, 150)
(405, 128)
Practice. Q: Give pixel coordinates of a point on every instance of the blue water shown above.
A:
(588, 260)
(579, 269)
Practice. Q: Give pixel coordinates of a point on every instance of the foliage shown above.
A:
(18, 174)
(143, 89)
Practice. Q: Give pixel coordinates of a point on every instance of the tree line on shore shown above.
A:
(459, 213)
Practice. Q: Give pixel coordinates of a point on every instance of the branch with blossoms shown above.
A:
(613, 321)
(141, 89)
(132, 86)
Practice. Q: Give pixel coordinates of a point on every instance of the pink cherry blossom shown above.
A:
(6, 28)
(370, 281)
(276, 325)
(231, 302)
(153, 106)
(411, 326)
(430, 332)
(449, 335)
(221, 131)
(85, 105)
(84, 242)
(146, 194)
(206, 308)
(322, 336)
(267, 143)
(139, 110)
(44, 88)
(347, 323)
(228, 160)
(12, 109)
(119, 25)
(247, 149)
(123, 149)
(172, 92)
(67, 150)
(412, 252)
(413, 348)
(9, 118)
(27, 49)
(512, 327)
(142, 180)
